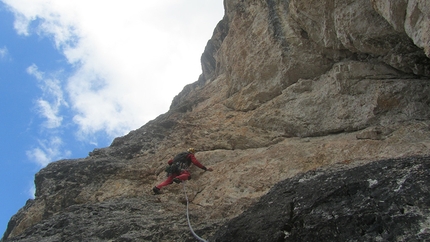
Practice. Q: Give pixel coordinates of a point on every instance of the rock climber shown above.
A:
(178, 169)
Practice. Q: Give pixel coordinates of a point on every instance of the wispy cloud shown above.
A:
(52, 99)
(3, 53)
(47, 151)
(49, 107)
(34, 70)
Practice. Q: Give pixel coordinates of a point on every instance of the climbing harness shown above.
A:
(188, 217)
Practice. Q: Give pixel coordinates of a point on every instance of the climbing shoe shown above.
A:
(177, 180)
(156, 190)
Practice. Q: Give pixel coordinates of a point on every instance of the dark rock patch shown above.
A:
(387, 200)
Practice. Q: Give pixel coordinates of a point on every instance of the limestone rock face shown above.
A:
(287, 87)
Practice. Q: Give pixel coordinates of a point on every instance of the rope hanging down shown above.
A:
(188, 217)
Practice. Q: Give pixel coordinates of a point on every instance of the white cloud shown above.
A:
(50, 113)
(33, 70)
(130, 57)
(49, 106)
(52, 100)
(48, 151)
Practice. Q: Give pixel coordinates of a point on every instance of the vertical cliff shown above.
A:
(287, 87)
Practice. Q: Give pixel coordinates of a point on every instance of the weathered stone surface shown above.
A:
(409, 16)
(382, 201)
(287, 87)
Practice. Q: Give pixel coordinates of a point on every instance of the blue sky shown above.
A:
(74, 74)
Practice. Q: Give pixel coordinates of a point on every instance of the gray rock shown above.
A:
(387, 200)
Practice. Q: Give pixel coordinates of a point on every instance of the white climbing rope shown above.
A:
(188, 217)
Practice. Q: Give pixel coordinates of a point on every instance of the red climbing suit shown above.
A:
(184, 175)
